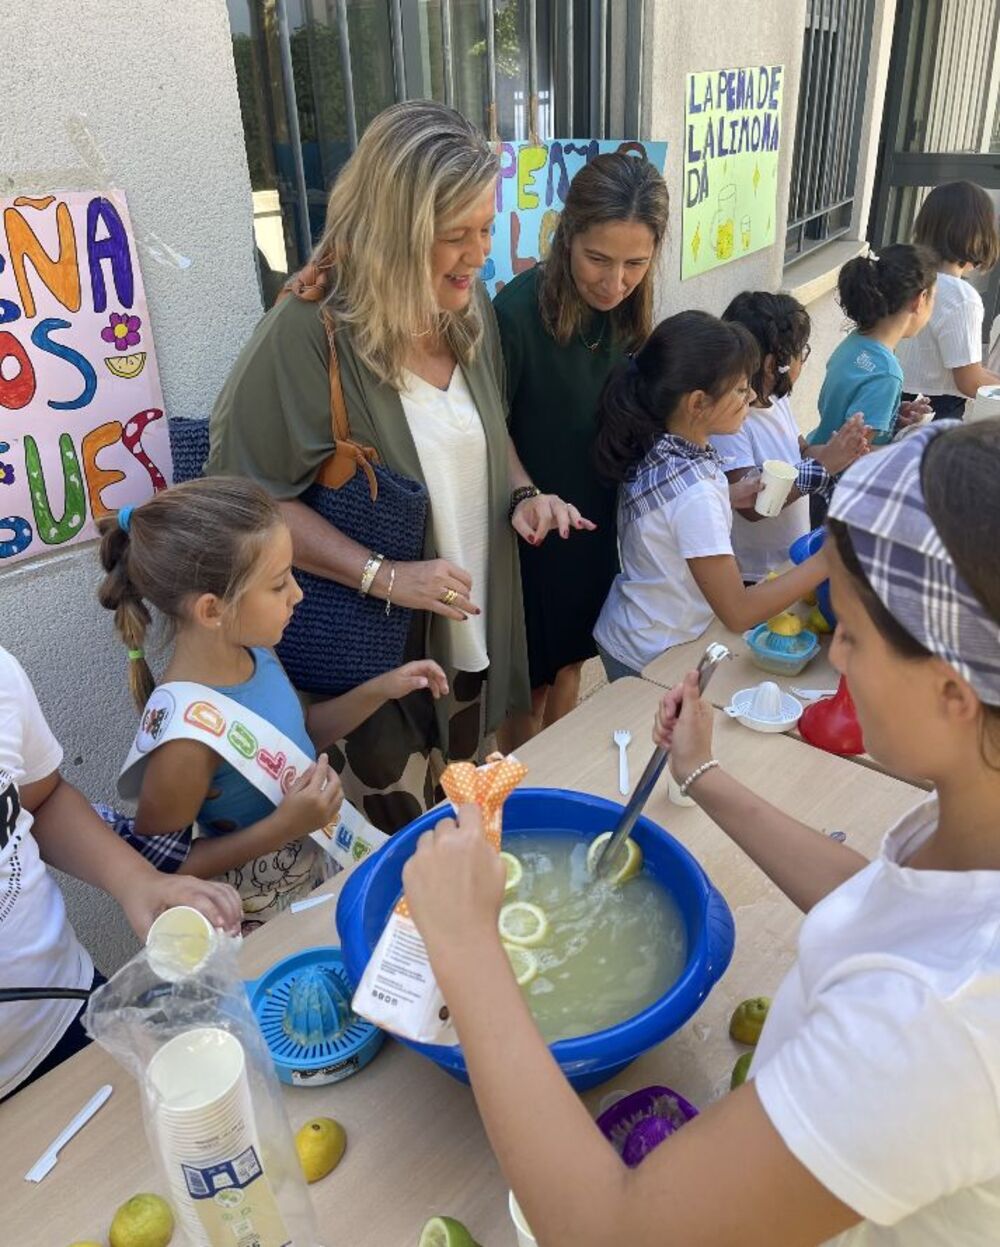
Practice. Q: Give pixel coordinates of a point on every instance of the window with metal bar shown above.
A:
(311, 75)
(832, 89)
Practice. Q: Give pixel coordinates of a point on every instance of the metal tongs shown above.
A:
(714, 654)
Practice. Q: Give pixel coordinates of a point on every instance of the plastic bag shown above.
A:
(211, 1101)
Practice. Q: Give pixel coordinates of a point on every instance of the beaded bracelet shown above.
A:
(696, 774)
(375, 561)
(521, 494)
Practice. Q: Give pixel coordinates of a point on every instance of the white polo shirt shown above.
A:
(952, 338)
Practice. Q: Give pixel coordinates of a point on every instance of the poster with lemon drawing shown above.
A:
(82, 429)
(732, 140)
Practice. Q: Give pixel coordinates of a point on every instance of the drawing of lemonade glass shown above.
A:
(722, 233)
(745, 231)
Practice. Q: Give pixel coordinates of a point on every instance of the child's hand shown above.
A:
(743, 493)
(413, 676)
(914, 411)
(850, 442)
(313, 801)
(683, 725)
(153, 892)
(454, 885)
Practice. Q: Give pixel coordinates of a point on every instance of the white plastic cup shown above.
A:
(525, 1238)
(199, 1085)
(777, 478)
(179, 942)
(985, 405)
(674, 794)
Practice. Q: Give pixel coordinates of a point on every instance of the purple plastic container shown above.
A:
(640, 1122)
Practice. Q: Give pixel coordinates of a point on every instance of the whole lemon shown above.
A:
(748, 1020)
(89, 1243)
(142, 1221)
(740, 1071)
(321, 1144)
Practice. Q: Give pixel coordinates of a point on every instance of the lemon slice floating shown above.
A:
(523, 924)
(631, 863)
(523, 962)
(515, 871)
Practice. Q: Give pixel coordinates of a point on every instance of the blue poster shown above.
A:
(531, 190)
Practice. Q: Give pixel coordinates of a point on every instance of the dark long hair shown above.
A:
(870, 289)
(781, 327)
(612, 187)
(687, 352)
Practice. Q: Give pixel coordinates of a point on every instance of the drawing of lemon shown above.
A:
(126, 366)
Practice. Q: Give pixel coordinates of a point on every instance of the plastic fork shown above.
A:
(622, 738)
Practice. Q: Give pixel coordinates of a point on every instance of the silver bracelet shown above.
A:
(696, 774)
(375, 561)
(388, 593)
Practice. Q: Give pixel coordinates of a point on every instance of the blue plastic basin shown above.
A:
(373, 889)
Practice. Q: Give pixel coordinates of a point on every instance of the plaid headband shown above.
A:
(881, 500)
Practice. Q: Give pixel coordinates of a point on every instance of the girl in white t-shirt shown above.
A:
(689, 383)
(872, 1114)
(780, 325)
(45, 821)
(958, 223)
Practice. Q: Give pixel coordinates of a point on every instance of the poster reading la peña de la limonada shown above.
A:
(82, 429)
(732, 139)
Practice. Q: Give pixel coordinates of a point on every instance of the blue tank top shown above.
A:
(233, 802)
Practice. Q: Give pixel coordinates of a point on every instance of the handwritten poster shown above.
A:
(732, 135)
(531, 190)
(82, 429)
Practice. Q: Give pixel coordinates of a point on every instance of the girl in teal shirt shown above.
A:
(889, 297)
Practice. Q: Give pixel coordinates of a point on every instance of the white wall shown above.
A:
(696, 35)
(156, 85)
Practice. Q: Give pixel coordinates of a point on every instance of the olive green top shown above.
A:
(272, 423)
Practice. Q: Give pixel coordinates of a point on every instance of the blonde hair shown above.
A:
(204, 536)
(418, 165)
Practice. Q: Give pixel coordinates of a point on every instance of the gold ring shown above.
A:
(448, 596)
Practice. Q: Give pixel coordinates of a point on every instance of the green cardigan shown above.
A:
(271, 422)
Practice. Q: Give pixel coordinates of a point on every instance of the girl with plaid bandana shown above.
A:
(871, 1117)
(689, 383)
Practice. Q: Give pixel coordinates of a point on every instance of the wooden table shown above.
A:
(742, 672)
(416, 1146)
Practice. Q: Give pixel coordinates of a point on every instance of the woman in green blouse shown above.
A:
(408, 228)
(564, 325)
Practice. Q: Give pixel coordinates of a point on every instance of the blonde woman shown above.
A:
(408, 228)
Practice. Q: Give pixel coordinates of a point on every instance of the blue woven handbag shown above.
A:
(338, 638)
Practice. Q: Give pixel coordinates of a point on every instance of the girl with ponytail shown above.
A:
(690, 382)
(214, 558)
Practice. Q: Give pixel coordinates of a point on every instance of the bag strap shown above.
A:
(310, 284)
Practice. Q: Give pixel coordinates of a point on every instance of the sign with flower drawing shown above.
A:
(82, 429)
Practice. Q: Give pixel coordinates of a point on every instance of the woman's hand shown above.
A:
(850, 442)
(684, 722)
(534, 518)
(152, 892)
(432, 585)
(454, 886)
(413, 676)
(312, 802)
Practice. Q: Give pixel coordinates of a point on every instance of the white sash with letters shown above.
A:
(260, 752)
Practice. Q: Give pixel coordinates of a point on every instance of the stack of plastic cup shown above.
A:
(204, 1123)
(525, 1238)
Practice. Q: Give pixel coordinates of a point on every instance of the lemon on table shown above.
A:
(629, 855)
(515, 871)
(445, 1232)
(523, 962)
(89, 1243)
(818, 622)
(748, 1020)
(142, 1221)
(523, 924)
(320, 1145)
(740, 1071)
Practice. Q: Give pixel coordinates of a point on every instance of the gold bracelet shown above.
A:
(375, 561)
(388, 595)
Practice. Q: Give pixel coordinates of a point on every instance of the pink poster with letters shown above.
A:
(82, 427)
